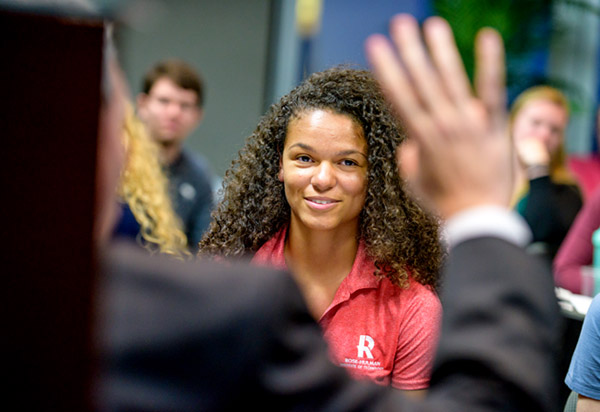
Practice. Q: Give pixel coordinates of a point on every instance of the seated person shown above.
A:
(586, 168)
(584, 372)
(171, 106)
(146, 213)
(316, 190)
(546, 195)
(577, 249)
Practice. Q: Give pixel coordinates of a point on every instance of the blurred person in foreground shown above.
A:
(461, 163)
(196, 336)
(171, 106)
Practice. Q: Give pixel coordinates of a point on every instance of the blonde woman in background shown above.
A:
(148, 215)
(546, 195)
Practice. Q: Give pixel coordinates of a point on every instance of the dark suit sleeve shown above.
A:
(203, 337)
(200, 337)
(499, 333)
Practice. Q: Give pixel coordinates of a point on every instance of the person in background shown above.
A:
(584, 372)
(546, 195)
(586, 168)
(146, 211)
(577, 249)
(171, 106)
(316, 190)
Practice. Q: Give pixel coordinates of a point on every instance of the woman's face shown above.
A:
(542, 120)
(324, 170)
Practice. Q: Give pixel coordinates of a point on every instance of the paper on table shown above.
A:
(580, 303)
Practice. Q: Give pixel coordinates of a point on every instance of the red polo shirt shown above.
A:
(374, 328)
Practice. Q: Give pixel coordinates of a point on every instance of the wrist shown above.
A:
(451, 208)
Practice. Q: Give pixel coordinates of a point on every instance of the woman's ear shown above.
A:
(280, 174)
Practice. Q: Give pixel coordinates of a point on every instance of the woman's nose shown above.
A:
(324, 177)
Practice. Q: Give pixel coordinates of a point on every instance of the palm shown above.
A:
(462, 149)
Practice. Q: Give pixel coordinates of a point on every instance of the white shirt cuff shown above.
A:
(482, 221)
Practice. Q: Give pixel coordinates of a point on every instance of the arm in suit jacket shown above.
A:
(500, 331)
(182, 336)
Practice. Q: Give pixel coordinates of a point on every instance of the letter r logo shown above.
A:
(365, 349)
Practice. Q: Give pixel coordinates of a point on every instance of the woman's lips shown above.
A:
(321, 203)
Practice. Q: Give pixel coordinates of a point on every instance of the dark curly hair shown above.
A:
(398, 233)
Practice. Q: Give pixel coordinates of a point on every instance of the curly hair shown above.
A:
(144, 187)
(398, 234)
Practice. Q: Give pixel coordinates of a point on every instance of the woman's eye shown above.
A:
(304, 159)
(348, 162)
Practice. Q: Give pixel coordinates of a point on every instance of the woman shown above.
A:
(586, 167)
(316, 190)
(547, 196)
(147, 214)
(577, 250)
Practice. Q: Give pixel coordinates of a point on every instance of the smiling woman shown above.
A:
(324, 171)
(316, 190)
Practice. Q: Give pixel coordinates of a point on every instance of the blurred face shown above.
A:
(542, 120)
(324, 171)
(169, 111)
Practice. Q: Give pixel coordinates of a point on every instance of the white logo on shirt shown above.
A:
(187, 191)
(365, 349)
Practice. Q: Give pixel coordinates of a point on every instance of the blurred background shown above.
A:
(251, 52)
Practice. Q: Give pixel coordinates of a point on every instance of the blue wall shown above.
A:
(347, 23)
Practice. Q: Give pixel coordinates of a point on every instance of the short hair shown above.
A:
(180, 73)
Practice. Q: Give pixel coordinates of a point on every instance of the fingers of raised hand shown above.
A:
(398, 87)
(490, 74)
(445, 55)
(406, 35)
(438, 77)
(391, 75)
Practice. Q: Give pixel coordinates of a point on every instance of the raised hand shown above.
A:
(458, 154)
